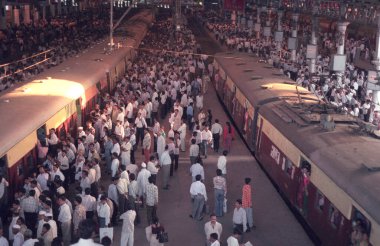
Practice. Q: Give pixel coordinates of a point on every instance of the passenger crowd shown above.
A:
(350, 95)
(66, 36)
(60, 200)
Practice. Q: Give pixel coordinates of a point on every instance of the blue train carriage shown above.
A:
(61, 98)
(318, 159)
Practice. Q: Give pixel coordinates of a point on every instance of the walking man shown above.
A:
(166, 162)
(211, 227)
(217, 131)
(199, 197)
(128, 229)
(151, 199)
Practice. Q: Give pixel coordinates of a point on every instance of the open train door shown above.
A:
(78, 104)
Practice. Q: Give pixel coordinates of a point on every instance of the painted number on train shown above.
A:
(275, 154)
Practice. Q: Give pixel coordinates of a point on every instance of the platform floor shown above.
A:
(276, 225)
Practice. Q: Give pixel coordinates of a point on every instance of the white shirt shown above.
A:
(142, 180)
(4, 183)
(151, 167)
(240, 217)
(198, 187)
(18, 239)
(216, 128)
(89, 202)
(196, 169)
(232, 241)
(114, 166)
(216, 243)
(64, 213)
(210, 228)
(86, 242)
(116, 148)
(104, 211)
(30, 242)
(165, 158)
(222, 164)
(112, 193)
(53, 228)
(128, 221)
(3, 241)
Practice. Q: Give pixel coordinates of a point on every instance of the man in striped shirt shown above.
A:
(247, 202)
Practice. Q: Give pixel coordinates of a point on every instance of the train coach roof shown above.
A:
(259, 82)
(25, 108)
(350, 160)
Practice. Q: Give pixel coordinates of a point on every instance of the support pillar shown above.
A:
(267, 28)
(16, 16)
(339, 59)
(26, 14)
(52, 10)
(312, 48)
(59, 7)
(258, 23)
(376, 62)
(279, 34)
(44, 11)
(292, 44)
(2, 15)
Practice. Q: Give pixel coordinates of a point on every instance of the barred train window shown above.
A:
(320, 201)
(334, 216)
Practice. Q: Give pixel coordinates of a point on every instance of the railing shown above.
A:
(25, 63)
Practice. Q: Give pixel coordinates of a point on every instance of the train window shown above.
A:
(334, 216)
(320, 201)
(41, 134)
(359, 220)
(4, 167)
(289, 168)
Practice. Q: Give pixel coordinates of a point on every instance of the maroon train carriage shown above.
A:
(61, 98)
(320, 160)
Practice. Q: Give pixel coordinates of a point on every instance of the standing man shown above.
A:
(142, 181)
(214, 239)
(128, 229)
(166, 162)
(64, 219)
(79, 214)
(199, 197)
(147, 142)
(239, 218)
(247, 202)
(213, 226)
(217, 131)
(234, 239)
(222, 163)
(194, 151)
(151, 200)
(30, 207)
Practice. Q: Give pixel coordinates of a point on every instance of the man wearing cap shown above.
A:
(41, 222)
(142, 181)
(18, 236)
(81, 133)
(52, 223)
(147, 142)
(64, 219)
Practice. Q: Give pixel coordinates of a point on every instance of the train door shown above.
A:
(78, 104)
(4, 200)
(359, 222)
(303, 179)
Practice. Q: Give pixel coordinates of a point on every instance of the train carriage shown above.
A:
(315, 157)
(61, 98)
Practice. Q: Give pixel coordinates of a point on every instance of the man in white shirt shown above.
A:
(234, 239)
(217, 131)
(239, 218)
(194, 151)
(213, 226)
(64, 218)
(222, 163)
(197, 169)
(104, 212)
(52, 223)
(199, 196)
(206, 140)
(18, 236)
(128, 229)
(165, 162)
(152, 166)
(142, 180)
(89, 202)
(114, 165)
(214, 239)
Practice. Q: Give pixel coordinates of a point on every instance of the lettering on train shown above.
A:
(275, 154)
